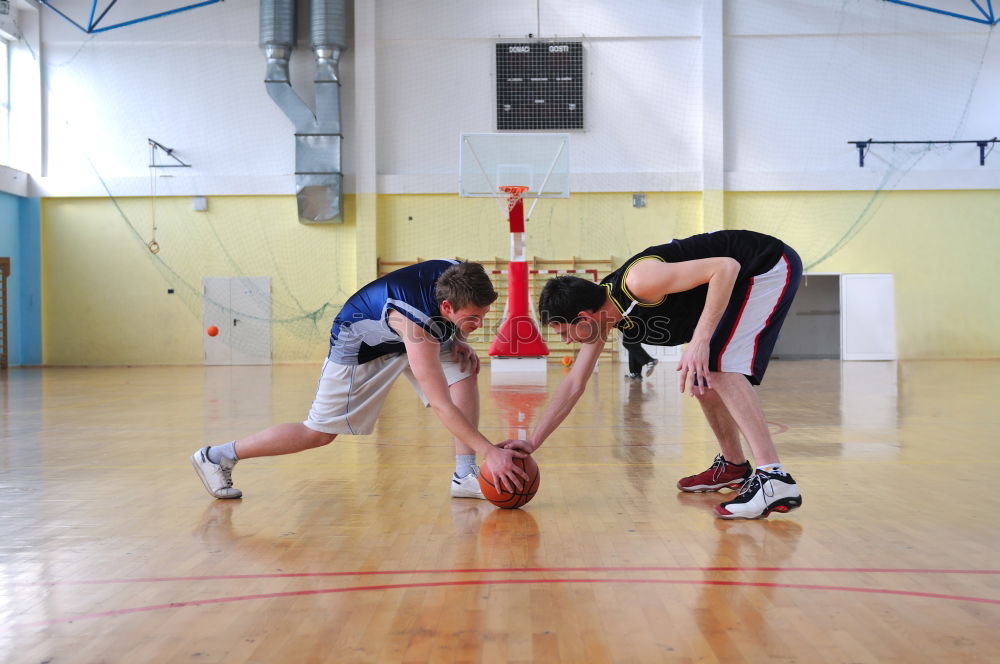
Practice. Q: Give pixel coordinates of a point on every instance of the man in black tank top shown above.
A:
(725, 295)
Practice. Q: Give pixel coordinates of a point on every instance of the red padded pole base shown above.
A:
(518, 337)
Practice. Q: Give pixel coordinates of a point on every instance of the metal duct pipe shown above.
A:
(318, 170)
(277, 23)
(328, 23)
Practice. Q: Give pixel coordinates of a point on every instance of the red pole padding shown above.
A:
(516, 217)
(517, 289)
(518, 335)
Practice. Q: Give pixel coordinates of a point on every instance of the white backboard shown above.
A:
(539, 161)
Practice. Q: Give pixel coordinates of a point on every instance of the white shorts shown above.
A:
(349, 398)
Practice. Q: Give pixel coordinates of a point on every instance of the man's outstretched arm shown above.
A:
(567, 394)
(423, 354)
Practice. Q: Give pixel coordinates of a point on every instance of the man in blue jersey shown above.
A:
(413, 321)
(725, 295)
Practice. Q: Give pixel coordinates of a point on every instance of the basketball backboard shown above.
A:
(538, 161)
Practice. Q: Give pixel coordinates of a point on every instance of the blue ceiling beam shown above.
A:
(92, 24)
(988, 17)
(980, 8)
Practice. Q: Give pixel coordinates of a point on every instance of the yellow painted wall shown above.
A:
(106, 302)
(105, 295)
(942, 247)
(584, 225)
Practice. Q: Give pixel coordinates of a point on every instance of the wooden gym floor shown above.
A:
(111, 551)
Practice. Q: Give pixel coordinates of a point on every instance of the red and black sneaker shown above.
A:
(721, 475)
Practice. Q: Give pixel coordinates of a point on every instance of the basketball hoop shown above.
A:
(514, 194)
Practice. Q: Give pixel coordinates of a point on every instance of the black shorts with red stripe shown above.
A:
(745, 336)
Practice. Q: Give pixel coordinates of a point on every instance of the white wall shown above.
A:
(437, 79)
(804, 79)
(192, 81)
(800, 78)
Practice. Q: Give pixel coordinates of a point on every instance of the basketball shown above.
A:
(212, 330)
(567, 360)
(504, 499)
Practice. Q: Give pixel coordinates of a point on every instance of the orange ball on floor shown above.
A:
(505, 499)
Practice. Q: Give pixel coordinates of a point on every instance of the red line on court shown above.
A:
(519, 570)
(782, 428)
(433, 584)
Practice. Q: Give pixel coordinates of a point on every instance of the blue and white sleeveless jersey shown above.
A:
(361, 330)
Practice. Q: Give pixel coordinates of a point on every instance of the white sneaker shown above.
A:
(217, 477)
(760, 495)
(466, 487)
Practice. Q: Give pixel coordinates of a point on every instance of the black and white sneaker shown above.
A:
(761, 494)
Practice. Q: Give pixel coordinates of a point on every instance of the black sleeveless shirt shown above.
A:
(672, 320)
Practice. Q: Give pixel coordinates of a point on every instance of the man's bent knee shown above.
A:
(318, 438)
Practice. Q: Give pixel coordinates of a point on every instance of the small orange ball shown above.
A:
(567, 360)
(212, 330)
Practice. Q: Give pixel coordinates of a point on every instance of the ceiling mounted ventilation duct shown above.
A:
(318, 170)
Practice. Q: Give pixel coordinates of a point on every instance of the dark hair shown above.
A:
(564, 297)
(465, 284)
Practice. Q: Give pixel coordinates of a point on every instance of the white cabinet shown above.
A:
(841, 316)
(867, 317)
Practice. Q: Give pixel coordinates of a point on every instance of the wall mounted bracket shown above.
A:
(864, 146)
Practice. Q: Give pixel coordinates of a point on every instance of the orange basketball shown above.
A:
(567, 360)
(212, 330)
(504, 499)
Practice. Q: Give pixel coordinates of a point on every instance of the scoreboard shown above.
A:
(539, 85)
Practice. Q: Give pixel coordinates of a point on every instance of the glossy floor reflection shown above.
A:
(111, 551)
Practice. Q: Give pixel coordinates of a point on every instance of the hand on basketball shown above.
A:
(500, 460)
(694, 368)
(464, 354)
(518, 444)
